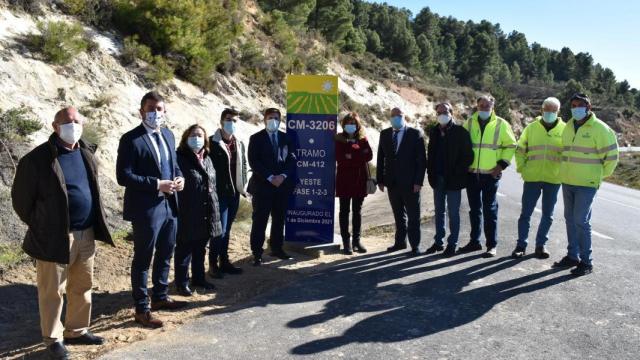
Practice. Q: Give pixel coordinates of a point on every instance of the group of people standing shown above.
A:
(550, 153)
(182, 201)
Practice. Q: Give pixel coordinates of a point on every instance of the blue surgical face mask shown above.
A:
(273, 125)
(195, 142)
(484, 115)
(154, 119)
(579, 113)
(229, 127)
(549, 117)
(350, 129)
(397, 122)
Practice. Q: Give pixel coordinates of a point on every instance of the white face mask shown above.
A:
(273, 125)
(444, 119)
(70, 133)
(154, 119)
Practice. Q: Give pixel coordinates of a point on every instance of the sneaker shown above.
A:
(491, 252)
(470, 247)
(566, 262)
(542, 252)
(434, 249)
(582, 269)
(518, 252)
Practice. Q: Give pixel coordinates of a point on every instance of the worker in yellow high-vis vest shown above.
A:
(538, 158)
(590, 154)
(493, 147)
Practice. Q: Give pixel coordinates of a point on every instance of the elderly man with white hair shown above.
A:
(538, 159)
(57, 194)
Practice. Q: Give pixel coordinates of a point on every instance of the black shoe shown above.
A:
(566, 262)
(396, 247)
(434, 249)
(518, 252)
(257, 260)
(85, 339)
(491, 252)
(184, 290)
(357, 247)
(582, 269)
(228, 268)
(281, 255)
(542, 252)
(347, 251)
(203, 284)
(216, 272)
(470, 247)
(449, 251)
(57, 351)
(414, 252)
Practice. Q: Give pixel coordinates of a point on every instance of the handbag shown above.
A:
(372, 184)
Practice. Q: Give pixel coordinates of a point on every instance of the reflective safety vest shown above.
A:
(495, 143)
(539, 152)
(590, 154)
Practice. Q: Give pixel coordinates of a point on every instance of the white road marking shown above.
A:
(601, 235)
(619, 203)
(537, 210)
(501, 194)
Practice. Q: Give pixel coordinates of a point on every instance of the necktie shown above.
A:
(165, 169)
(274, 145)
(395, 141)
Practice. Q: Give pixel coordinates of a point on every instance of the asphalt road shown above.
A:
(389, 306)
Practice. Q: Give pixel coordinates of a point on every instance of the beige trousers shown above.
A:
(74, 279)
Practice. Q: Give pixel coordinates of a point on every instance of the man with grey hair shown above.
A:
(538, 158)
(493, 146)
(56, 193)
(401, 166)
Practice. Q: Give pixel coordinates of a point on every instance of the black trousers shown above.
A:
(356, 206)
(268, 201)
(406, 212)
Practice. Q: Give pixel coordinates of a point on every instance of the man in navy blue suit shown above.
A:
(147, 168)
(272, 162)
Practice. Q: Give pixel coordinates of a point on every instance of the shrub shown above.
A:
(17, 123)
(132, 50)
(94, 12)
(59, 41)
(198, 33)
(93, 133)
(159, 71)
(101, 100)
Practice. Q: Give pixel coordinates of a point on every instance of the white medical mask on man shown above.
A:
(484, 115)
(579, 113)
(273, 123)
(443, 119)
(154, 119)
(397, 122)
(229, 126)
(70, 133)
(549, 117)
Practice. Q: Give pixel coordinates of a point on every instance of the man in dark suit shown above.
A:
(272, 161)
(147, 168)
(402, 162)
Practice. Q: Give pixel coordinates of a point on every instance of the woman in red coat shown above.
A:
(352, 154)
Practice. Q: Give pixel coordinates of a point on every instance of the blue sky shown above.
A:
(608, 30)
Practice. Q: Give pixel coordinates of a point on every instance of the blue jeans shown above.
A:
(483, 208)
(228, 209)
(448, 200)
(530, 194)
(156, 231)
(577, 215)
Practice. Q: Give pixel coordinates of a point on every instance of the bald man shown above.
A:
(56, 193)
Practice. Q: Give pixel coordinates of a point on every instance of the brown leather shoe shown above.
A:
(168, 304)
(147, 320)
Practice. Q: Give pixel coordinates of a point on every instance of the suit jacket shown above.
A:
(264, 164)
(406, 167)
(138, 170)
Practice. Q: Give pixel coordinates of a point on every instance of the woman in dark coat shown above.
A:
(353, 154)
(199, 216)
